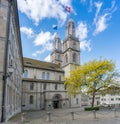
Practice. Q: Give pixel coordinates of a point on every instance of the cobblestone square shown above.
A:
(68, 116)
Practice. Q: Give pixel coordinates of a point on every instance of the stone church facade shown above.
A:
(42, 85)
(43, 82)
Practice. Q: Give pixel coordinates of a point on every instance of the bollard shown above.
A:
(72, 115)
(115, 113)
(22, 117)
(94, 114)
(48, 116)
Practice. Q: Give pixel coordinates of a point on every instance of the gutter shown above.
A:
(3, 116)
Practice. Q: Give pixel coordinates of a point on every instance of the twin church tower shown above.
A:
(67, 54)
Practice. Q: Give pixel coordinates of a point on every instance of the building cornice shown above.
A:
(71, 49)
(70, 37)
(30, 66)
(42, 81)
(70, 64)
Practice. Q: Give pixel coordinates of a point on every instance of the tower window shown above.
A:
(74, 44)
(74, 57)
(66, 46)
(58, 57)
(31, 99)
(70, 29)
(66, 58)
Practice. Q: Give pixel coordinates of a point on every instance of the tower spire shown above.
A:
(57, 43)
(70, 28)
(56, 55)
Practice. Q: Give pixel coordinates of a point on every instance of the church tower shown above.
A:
(56, 55)
(71, 49)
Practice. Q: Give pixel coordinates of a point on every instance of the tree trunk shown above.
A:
(93, 99)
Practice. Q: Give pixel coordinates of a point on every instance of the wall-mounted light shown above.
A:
(10, 72)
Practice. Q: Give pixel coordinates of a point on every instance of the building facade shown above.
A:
(11, 60)
(43, 82)
(110, 100)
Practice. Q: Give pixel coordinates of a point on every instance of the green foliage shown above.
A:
(94, 76)
(91, 108)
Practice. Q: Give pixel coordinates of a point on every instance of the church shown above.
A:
(43, 82)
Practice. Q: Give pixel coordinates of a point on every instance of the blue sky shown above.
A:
(97, 27)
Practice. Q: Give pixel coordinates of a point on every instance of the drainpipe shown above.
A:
(3, 116)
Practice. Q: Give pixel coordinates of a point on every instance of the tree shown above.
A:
(91, 78)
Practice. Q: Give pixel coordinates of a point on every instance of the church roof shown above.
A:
(28, 62)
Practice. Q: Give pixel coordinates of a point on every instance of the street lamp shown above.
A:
(10, 71)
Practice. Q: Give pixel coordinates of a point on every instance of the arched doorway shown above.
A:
(57, 101)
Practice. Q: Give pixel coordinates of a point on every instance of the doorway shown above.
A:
(55, 104)
(57, 101)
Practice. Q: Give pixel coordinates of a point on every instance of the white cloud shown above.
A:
(82, 1)
(46, 47)
(38, 52)
(47, 58)
(98, 5)
(65, 2)
(28, 31)
(43, 38)
(101, 21)
(81, 31)
(39, 9)
(85, 45)
(91, 5)
(82, 34)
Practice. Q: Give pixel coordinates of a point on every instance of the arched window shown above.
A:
(66, 46)
(43, 75)
(26, 74)
(66, 58)
(55, 86)
(76, 100)
(31, 86)
(74, 44)
(48, 76)
(70, 29)
(74, 57)
(31, 99)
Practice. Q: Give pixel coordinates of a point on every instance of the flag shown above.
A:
(68, 9)
(54, 27)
